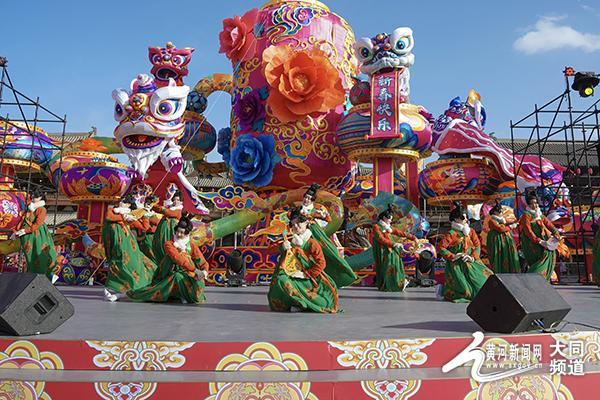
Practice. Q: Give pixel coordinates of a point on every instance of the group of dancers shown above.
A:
(150, 257)
(465, 271)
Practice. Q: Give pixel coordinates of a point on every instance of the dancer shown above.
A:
(146, 228)
(501, 248)
(164, 231)
(36, 241)
(300, 282)
(314, 212)
(389, 270)
(465, 273)
(539, 238)
(128, 267)
(318, 217)
(181, 273)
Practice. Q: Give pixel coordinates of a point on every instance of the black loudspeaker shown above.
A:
(509, 303)
(30, 304)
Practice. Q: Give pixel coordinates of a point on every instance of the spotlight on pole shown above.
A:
(585, 82)
(236, 269)
(425, 269)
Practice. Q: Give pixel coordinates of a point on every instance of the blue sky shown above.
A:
(72, 54)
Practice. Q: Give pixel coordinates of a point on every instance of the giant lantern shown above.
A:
(93, 181)
(23, 149)
(293, 64)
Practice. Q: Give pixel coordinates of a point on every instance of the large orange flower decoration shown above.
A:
(301, 83)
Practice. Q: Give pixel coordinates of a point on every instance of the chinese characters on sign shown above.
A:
(509, 359)
(567, 358)
(498, 355)
(384, 105)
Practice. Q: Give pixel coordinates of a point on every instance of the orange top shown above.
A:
(471, 245)
(183, 258)
(146, 225)
(39, 217)
(113, 216)
(315, 253)
(384, 238)
(525, 226)
(497, 226)
(168, 213)
(118, 218)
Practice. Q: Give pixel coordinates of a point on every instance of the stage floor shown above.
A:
(242, 314)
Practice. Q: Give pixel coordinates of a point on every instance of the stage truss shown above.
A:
(566, 128)
(30, 115)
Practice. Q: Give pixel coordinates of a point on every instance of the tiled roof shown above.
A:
(213, 181)
(72, 137)
(61, 216)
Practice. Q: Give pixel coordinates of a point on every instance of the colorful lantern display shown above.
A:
(458, 179)
(293, 63)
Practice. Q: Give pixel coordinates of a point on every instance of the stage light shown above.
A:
(585, 82)
(425, 269)
(236, 269)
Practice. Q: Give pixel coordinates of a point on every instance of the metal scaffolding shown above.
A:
(29, 115)
(566, 131)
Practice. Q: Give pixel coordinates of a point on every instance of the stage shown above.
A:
(242, 314)
(383, 346)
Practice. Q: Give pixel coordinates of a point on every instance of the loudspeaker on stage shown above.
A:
(30, 304)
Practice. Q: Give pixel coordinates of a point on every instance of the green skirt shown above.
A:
(502, 253)
(128, 267)
(164, 233)
(176, 285)
(337, 267)
(39, 252)
(146, 244)
(464, 280)
(540, 260)
(389, 269)
(286, 292)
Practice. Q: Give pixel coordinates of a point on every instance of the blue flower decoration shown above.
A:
(224, 143)
(253, 159)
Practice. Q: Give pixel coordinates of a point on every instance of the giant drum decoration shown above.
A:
(21, 148)
(70, 158)
(458, 179)
(95, 181)
(288, 152)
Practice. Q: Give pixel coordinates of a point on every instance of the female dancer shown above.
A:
(318, 216)
(300, 282)
(36, 241)
(181, 273)
(164, 231)
(389, 270)
(537, 234)
(501, 248)
(465, 273)
(128, 268)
